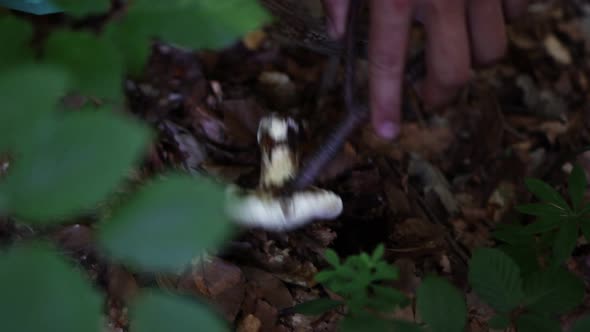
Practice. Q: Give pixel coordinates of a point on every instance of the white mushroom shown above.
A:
(261, 207)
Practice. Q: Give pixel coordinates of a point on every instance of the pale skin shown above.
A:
(460, 34)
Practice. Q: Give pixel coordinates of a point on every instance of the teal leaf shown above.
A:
(21, 114)
(157, 311)
(581, 325)
(441, 305)
(94, 63)
(167, 223)
(499, 322)
(317, 306)
(79, 8)
(42, 292)
(577, 186)
(545, 192)
(536, 323)
(565, 242)
(81, 158)
(495, 278)
(15, 36)
(554, 291)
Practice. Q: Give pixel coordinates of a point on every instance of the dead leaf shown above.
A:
(556, 50)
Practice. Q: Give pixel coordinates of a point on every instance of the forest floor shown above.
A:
(430, 197)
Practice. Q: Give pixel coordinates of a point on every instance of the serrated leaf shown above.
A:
(576, 186)
(495, 277)
(156, 311)
(94, 63)
(82, 158)
(332, 257)
(581, 325)
(441, 305)
(543, 224)
(22, 115)
(553, 291)
(535, 323)
(15, 35)
(565, 242)
(41, 292)
(79, 8)
(541, 209)
(317, 306)
(167, 223)
(499, 322)
(215, 24)
(545, 192)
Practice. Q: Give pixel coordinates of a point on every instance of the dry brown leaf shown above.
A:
(556, 50)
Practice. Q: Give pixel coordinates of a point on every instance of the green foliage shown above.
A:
(156, 311)
(581, 325)
(495, 277)
(15, 35)
(554, 214)
(83, 8)
(166, 224)
(553, 291)
(84, 154)
(536, 323)
(441, 305)
(42, 292)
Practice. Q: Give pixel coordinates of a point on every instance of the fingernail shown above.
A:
(388, 130)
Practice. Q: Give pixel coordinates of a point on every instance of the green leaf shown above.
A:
(577, 186)
(332, 257)
(82, 158)
(22, 114)
(565, 242)
(375, 324)
(441, 305)
(94, 63)
(384, 271)
(496, 279)
(541, 210)
(545, 192)
(499, 322)
(581, 325)
(167, 223)
(585, 227)
(535, 323)
(15, 35)
(317, 306)
(513, 234)
(553, 291)
(156, 311)
(43, 293)
(524, 256)
(387, 298)
(215, 24)
(83, 8)
(543, 224)
(378, 252)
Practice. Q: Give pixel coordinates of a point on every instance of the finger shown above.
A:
(447, 48)
(336, 12)
(388, 39)
(487, 30)
(515, 8)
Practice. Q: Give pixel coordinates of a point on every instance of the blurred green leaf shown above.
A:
(21, 113)
(378, 252)
(545, 192)
(83, 7)
(581, 325)
(441, 305)
(387, 298)
(167, 223)
(15, 36)
(541, 210)
(82, 157)
(214, 24)
(553, 291)
(94, 63)
(513, 234)
(43, 293)
(156, 311)
(385, 271)
(585, 226)
(499, 322)
(317, 306)
(535, 323)
(565, 241)
(524, 256)
(544, 224)
(577, 186)
(495, 277)
(332, 257)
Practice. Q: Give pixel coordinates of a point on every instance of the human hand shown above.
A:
(460, 33)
